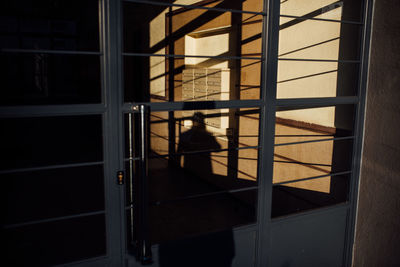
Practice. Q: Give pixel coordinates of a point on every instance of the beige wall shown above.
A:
(378, 219)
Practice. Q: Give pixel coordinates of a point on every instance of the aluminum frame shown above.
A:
(112, 107)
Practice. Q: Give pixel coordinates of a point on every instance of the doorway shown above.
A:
(182, 133)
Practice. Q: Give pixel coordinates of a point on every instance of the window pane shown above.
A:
(326, 9)
(201, 34)
(313, 39)
(33, 142)
(308, 165)
(302, 79)
(197, 152)
(56, 242)
(34, 79)
(177, 220)
(47, 194)
(50, 24)
(292, 198)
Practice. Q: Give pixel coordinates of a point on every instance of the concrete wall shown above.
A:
(377, 239)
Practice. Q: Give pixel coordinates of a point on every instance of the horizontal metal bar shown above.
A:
(195, 152)
(320, 60)
(309, 46)
(73, 165)
(302, 135)
(195, 7)
(192, 105)
(129, 159)
(46, 51)
(157, 203)
(205, 151)
(320, 19)
(303, 163)
(303, 103)
(312, 178)
(184, 56)
(51, 110)
(91, 262)
(316, 140)
(11, 226)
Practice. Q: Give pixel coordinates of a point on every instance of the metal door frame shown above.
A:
(112, 108)
(268, 105)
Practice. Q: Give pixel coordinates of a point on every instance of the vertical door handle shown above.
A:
(144, 246)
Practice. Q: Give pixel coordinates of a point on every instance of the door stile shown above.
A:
(113, 134)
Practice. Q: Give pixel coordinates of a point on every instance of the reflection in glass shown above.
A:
(46, 244)
(312, 158)
(50, 25)
(51, 193)
(35, 142)
(213, 55)
(198, 160)
(35, 79)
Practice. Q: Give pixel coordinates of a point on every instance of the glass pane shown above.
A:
(219, 146)
(296, 197)
(303, 153)
(56, 242)
(50, 24)
(313, 39)
(299, 161)
(34, 79)
(52, 193)
(302, 79)
(196, 158)
(33, 142)
(217, 79)
(177, 220)
(199, 36)
(326, 9)
(248, 5)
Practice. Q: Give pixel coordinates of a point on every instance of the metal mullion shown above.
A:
(52, 167)
(112, 128)
(200, 196)
(302, 103)
(316, 140)
(321, 60)
(51, 110)
(359, 128)
(204, 151)
(16, 225)
(198, 152)
(320, 19)
(131, 159)
(91, 262)
(195, 7)
(312, 178)
(193, 105)
(266, 131)
(183, 56)
(46, 51)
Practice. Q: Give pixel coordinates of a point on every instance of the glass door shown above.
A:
(191, 77)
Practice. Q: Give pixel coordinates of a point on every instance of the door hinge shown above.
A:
(120, 177)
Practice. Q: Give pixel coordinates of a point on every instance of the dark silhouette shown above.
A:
(195, 245)
(197, 139)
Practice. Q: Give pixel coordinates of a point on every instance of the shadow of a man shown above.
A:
(197, 139)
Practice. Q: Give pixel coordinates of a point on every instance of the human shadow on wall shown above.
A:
(216, 249)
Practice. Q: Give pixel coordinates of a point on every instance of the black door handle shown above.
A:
(143, 245)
